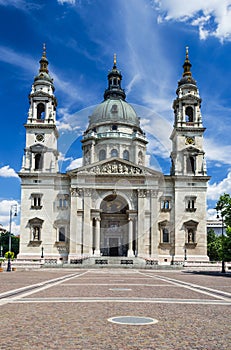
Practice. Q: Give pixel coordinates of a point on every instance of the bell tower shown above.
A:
(187, 137)
(41, 153)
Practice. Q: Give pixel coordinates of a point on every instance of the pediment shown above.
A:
(38, 148)
(115, 166)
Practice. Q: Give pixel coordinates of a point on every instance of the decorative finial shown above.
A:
(187, 65)
(44, 50)
(43, 62)
(114, 59)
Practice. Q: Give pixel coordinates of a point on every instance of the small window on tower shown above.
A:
(102, 154)
(189, 114)
(62, 234)
(114, 153)
(38, 161)
(191, 164)
(36, 200)
(114, 127)
(126, 155)
(190, 204)
(40, 111)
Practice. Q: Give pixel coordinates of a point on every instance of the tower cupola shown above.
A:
(114, 89)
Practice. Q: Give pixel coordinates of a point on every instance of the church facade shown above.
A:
(113, 205)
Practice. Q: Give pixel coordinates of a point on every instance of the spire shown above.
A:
(44, 62)
(114, 89)
(114, 61)
(187, 65)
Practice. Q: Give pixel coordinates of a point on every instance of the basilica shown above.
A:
(114, 204)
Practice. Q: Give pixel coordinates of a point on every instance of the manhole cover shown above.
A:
(133, 320)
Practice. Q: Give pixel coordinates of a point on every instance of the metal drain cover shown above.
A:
(133, 320)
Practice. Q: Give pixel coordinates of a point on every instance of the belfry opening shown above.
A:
(114, 226)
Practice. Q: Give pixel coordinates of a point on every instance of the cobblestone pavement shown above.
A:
(192, 310)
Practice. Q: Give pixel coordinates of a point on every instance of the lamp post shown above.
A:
(222, 241)
(42, 255)
(13, 212)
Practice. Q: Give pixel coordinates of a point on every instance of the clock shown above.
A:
(189, 141)
(40, 137)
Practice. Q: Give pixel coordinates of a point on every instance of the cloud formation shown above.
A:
(6, 171)
(70, 2)
(211, 17)
(217, 189)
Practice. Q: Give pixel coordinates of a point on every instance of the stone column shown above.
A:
(87, 223)
(73, 223)
(141, 220)
(97, 237)
(154, 225)
(130, 237)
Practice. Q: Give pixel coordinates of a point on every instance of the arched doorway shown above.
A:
(114, 226)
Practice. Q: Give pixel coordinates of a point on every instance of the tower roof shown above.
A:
(114, 89)
(187, 74)
(43, 71)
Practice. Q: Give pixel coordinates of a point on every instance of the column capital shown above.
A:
(154, 193)
(142, 193)
(76, 192)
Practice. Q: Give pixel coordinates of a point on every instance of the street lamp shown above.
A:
(13, 212)
(222, 241)
(42, 255)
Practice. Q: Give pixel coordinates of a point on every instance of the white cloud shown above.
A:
(6, 171)
(23, 5)
(5, 207)
(212, 17)
(217, 189)
(76, 163)
(71, 2)
(217, 152)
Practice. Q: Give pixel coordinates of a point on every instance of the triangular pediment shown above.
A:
(115, 166)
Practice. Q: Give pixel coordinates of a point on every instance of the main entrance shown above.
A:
(114, 226)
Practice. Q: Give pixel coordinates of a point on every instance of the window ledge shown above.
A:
(191, 210)
(165, 210)
(34, 243)
(165, 245)
(36, 207)
(190, 245)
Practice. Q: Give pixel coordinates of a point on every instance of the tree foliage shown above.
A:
(214, 246)
(223, 208)
(4, 242)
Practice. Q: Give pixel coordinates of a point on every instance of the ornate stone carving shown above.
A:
(153, 193)
(116, 168)
(142, 193)
(76, 192)
(87, 192)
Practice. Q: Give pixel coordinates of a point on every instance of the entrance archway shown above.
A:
(114, 226)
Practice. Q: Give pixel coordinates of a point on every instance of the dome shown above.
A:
(187, 80)
(114, 111)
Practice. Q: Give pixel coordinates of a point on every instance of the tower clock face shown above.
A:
(189, 141)
(40, 137)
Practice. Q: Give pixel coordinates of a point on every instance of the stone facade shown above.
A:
(113, 205)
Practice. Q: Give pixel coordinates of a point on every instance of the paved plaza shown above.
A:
(77, 309)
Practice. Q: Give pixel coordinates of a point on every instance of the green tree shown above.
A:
(223, 208)
(214, 246)
(4, 242)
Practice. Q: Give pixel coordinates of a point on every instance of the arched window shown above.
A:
(40, 111)
(189, 114)
(114, 153)
(38, 161)
(191, 164)
(165, 237)
(126, 155)
(62, 234)
(140, 158)
(102, 154)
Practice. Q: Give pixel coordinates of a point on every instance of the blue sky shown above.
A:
(149, 38)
